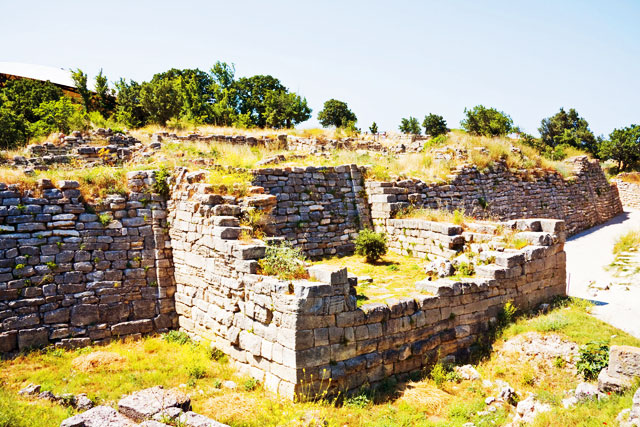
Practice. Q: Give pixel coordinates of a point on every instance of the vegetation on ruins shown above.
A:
(283, 261)
(336, 113)
(409, 126)
(416, 401)
(373, 128)
(623, 147)
(371, 245)
(434, 125)
(594, 357)
(567, 128)
(485, 121)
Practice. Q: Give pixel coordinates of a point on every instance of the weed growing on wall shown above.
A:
(284, 262)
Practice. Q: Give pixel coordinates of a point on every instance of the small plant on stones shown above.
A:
(283, 261)
(442, 373)
(594, 357)
(161, 185)
(196, 372)
(52, 265)
(105, 219)
(217, 354)
(217, 383)
(371, 245)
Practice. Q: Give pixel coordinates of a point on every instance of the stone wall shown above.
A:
(629, 193)
(582, 200)
(303, 337)
(319, 209)
(73, 274)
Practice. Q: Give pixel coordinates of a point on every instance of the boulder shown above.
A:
(100, 416)
(144, 404)
(191, 419)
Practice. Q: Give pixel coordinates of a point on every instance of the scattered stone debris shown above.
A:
(152, 407)
(630, 417)
(624, 366)
(467, 372)
(528, 409)
(81, 402)
(542, 348)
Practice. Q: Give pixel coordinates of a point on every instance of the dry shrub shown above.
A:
(105, 360)
(426, 396)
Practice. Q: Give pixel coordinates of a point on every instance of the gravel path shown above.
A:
(587, 255)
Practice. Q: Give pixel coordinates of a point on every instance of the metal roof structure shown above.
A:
(58, 76)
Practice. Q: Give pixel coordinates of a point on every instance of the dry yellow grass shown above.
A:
(426, 396)
(104, 360)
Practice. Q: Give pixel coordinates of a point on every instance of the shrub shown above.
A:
(283, 261)
(105, 219)
(434, 125)
(507, 314)
(161, 185)
(217, 354)
(178, 337)
(250, 384)
(360, 400)
(485, 121)
(197, 371)
(594, 357)
(371, 245)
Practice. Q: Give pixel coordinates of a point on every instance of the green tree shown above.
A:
(55, 116)
(567, 127)
(410, 125)
(103, 99)
(251, 94)
(160, 100)
(373, 128)
(129, 108)
(80, 80)
(336, 113)
(23, 96)
(623, 146)
(13, 128)
(434, 125)
(285, 110)
(486, 121)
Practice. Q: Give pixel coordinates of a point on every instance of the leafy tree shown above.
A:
(336, 113)
(567, 127)
(251, 94)
(434, 125)
(486, 121)
(13, 128)
(285, 110)
(373, 128)
(55, 116)
(103, 99)
(129, 108)
(623, 146)
(23, 96)
(160, 100)
(80, 80)
(410, 126)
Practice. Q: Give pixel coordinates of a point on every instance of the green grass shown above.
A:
(629, 241)
(176, 360)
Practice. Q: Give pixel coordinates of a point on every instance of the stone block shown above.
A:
(329, 274)
(100, 416)
(144, 404)
(84, 314)
(32, 338)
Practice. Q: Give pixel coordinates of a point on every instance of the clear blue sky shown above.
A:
(386, 59)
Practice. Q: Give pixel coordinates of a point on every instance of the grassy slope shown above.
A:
(153, 361)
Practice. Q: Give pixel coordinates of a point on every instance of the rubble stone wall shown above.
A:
(73, 274)
(582, 200)
(320, 209)
(629, 193)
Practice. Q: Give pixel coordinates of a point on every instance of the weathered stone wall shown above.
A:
(319, 209)
(300, 336)
(629, 193)
(582, 201)
(67, 278)
(354, 346)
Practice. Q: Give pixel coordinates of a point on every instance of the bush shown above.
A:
(434, 125)
(371, 245)
(178, 337)
(161, 186)
(250, 384)
(283, 261)
(594, 357)
(486, 121)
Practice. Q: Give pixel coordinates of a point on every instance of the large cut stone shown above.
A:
(191, 419)
(144, 404)
(100, 416)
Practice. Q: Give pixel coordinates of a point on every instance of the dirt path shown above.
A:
(587, 255)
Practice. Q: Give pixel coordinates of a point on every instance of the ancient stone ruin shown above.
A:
(72, 273)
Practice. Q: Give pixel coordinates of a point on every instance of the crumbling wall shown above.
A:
(319, 209)
(73, 274)
(629, 193)
(582, 201)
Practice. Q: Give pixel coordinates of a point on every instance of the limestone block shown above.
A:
(329, 274)
(144, 404)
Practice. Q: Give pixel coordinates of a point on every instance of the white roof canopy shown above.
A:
(57, 76)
